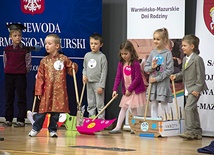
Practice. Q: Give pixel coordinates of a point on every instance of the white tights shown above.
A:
(122, 116)
(157, 108)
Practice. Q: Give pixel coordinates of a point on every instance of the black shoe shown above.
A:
(132, 132)
(114, 131)
(19, 124)
(7, 124)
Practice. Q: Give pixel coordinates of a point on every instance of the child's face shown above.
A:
(187, 48)
(158, 41)
(50, 45)
(95, 45)
(16, 37)
(126, 55)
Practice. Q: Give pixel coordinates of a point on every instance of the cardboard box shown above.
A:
(155, 127)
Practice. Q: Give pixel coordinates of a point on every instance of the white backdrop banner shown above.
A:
(145, 16)
(205, 31)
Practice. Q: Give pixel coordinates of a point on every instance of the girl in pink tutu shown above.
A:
(133, 89)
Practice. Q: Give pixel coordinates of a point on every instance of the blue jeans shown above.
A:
(39, 120)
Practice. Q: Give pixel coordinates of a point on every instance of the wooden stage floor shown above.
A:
(17, 142)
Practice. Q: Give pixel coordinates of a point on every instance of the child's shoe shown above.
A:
(198, 137)
(187, 136)
(19, 124)
(33, 133)
(53, 134)
(132, 132)
(114, 131)
(7, 123)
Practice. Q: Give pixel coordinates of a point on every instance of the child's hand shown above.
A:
(84, 79)
(114, 93)
(172, 77)
(154, 63)
(100, 90)
(195, 93)
(152, 80)
(127, 93)
(74, 66)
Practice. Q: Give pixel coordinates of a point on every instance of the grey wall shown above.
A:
(115, 31)
(190, 16)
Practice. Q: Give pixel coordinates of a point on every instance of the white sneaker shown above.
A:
(33, 133)
(53, 134)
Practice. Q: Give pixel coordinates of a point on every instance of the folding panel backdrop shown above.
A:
(145, 16)
(73, 20)
(205, 31)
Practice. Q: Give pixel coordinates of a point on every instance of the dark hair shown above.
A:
(127, 45)
(163, 34)
(97, 36)
(192, 39)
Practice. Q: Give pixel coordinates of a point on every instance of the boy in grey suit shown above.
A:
(193, 75)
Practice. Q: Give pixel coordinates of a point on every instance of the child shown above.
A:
(160, 66)
(51, 87)
(174, 47)
(193, 75)
(17, 63)
(133, 89)
(94, 74)
(145, 76)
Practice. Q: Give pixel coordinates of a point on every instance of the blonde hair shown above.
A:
(163, 34)
(56, 38)
(12, 31)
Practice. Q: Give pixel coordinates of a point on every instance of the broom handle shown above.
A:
(147, 101)
(105, 106)
(75, 86)
(175, 98)
(34, 102)
(83, 89)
